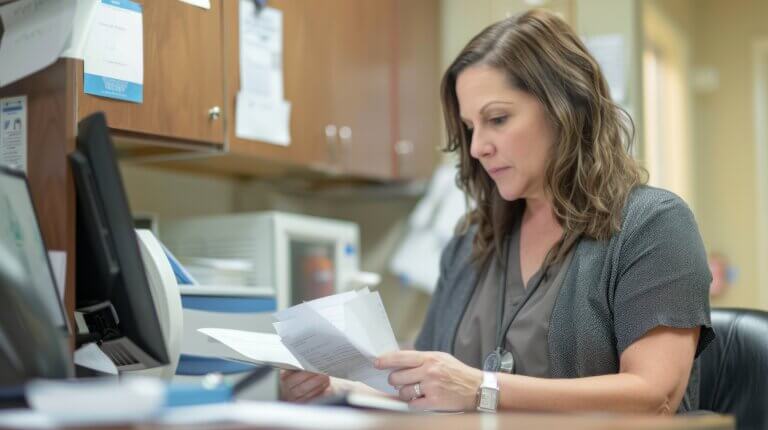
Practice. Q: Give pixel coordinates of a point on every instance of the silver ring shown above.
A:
(417, 390)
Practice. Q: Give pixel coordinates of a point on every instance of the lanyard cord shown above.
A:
(500, 333)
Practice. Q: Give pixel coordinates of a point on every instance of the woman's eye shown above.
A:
(499, 120)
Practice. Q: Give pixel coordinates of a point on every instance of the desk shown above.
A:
(512, 421)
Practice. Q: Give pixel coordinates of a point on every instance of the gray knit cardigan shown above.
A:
(652, 273)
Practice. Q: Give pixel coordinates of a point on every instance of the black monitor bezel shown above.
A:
(97, 152)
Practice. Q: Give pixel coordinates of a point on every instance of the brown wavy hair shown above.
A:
(590, 171)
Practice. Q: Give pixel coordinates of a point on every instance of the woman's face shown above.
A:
(511, 135)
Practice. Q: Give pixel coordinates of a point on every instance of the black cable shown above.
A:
(254, 376)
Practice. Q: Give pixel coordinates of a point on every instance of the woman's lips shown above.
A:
(496, 171)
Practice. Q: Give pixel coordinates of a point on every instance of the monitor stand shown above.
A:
(99, 323)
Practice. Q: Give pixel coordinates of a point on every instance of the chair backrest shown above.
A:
(734, 367)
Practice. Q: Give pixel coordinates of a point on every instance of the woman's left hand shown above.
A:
(445, 383)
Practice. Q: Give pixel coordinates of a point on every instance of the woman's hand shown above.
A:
(299, 386)
(445, 383)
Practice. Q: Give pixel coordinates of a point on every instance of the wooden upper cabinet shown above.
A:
(306, 53)
(417, 143)
(385, 84)
(361, 77)
(337, 68)
(183, 77)
(363, 82)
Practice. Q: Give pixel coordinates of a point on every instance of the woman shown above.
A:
(573, 285)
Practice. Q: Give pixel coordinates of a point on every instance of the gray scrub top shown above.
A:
(652, 272)
(527, 336)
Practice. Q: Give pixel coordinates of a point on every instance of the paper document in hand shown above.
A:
(262, 348)
(322, 348)
(339, 335)
(330, 307)
(317, 336)
(366, 322)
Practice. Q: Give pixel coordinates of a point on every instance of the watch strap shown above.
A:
(488, 393)
(490, 381)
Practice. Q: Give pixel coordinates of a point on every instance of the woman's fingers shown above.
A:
(406, 376)
(400, 359)
(422, 404)
(304, 386)
(310, 385)
(408, 393)
(298, 378)
(315, 392)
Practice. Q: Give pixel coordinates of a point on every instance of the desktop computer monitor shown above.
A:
(20, 232)
(34, 330)
(114, 300)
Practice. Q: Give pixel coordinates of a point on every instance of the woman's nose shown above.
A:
(480, 146)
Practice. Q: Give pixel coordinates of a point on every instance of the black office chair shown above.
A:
(734, 368)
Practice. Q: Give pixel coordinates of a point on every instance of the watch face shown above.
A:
(489, 398)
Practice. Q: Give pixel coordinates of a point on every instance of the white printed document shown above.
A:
(113, 62)
(339, 335)
(263, 119)
(36, 32)
(261, 51)
(261, 112)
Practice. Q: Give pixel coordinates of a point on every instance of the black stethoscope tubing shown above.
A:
(501, 332)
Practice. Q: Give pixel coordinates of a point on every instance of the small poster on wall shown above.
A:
(13, 132)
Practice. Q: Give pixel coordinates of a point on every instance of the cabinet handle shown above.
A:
(403, 147)
(331, 133)
(214, 113)
(345, 133)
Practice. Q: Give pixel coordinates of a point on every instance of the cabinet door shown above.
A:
(417, 144)
(363, 85)
(316, 116)
(183, 77)
(306, 54)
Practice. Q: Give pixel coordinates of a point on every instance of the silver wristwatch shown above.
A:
(488, 393)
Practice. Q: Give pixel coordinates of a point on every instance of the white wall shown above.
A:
(172, 194)
(668, 147)
(726, 178)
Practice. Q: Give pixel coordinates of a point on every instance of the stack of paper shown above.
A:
(339, 335)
